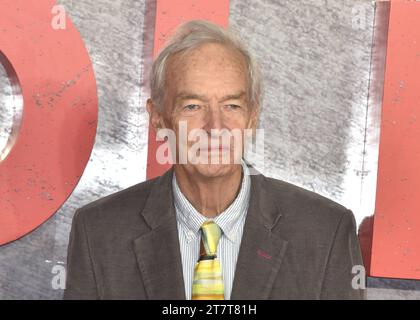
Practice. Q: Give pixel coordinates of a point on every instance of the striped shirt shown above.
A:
(231, 221)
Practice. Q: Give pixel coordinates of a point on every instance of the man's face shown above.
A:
(207, 89)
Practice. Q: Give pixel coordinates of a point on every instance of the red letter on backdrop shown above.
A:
(396, 231)
(60, 110)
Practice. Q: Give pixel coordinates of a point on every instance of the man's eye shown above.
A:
(233, 106)
(192, 107)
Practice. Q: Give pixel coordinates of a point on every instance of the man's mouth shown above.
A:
(219, 149)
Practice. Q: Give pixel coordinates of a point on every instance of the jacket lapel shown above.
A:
(261, 250)
(158, 251)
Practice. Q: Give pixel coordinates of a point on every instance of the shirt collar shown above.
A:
(229, 220)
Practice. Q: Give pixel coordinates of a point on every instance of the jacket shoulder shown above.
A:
(124, 205)
(306, 207)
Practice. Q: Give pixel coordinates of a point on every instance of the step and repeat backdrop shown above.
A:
(339, 117)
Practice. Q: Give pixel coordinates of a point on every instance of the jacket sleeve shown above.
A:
(339, 281)
(80, 278)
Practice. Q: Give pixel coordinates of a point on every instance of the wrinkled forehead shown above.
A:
(210, 64)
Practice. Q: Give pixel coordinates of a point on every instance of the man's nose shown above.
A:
(214, 119)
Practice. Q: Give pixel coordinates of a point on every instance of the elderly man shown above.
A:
(207, 229)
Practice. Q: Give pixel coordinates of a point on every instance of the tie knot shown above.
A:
(211, 233)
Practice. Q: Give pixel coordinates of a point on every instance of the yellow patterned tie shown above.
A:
(208, 279)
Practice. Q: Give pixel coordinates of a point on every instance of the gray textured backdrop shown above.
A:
(316, 70)
(6, 108)
(315, 59)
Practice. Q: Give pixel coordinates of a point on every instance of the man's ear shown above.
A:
(156, 119)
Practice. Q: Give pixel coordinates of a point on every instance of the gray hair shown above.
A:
(191, 35)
